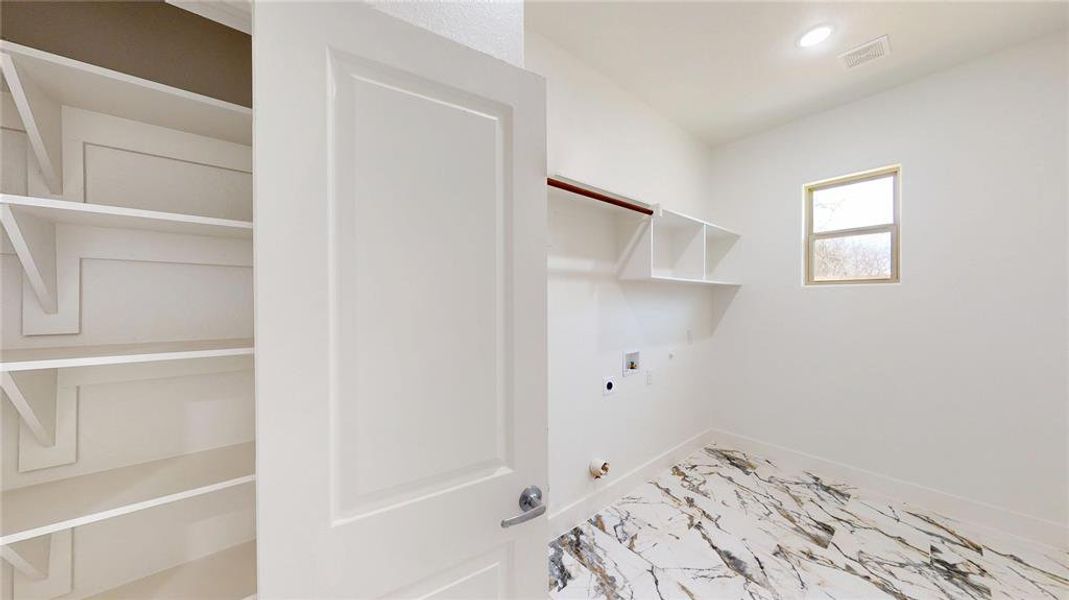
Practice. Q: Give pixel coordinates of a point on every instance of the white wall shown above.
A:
(954, 381)
(494, 27)
(600, 135)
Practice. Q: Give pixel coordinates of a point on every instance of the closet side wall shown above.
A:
(598, 134)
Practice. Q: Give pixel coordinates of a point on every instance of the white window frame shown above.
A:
(811, 237)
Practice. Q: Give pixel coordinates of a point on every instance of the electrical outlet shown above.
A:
(608, 386)
(649, 376)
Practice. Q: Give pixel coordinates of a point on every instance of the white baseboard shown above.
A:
(979, 516)
(564, 518)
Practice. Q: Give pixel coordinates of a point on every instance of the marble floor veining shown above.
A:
(726, 524)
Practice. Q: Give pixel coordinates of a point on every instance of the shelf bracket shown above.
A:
(33, 455)
(635, 261)
(43, 565)
(33, 393)
(42, 117)
(48, 410)
(34, 240)
(29, 557)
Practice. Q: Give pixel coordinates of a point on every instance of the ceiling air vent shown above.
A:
(867, 52)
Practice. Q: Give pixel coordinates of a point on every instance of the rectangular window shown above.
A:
(852, 228)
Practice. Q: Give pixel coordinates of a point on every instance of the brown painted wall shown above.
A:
(148, 39)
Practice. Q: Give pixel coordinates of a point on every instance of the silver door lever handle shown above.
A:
(531, 503)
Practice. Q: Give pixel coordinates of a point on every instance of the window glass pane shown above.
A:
(852, 205)
(866, 256)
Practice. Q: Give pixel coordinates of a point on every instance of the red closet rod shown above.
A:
(570, 187)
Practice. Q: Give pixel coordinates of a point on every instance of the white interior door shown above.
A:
(400, 310)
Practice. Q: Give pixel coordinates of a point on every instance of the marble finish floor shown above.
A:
(726, 524)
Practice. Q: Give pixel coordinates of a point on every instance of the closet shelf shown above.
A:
(696, 281)
(46, 508)
(230, 573)
(114, 354)
(102, 215)
(69, 82)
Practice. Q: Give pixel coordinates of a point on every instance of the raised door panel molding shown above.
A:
(481, 577)
(460, 343)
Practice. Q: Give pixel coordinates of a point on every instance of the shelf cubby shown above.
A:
(673, 247)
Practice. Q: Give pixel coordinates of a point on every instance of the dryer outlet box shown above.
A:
(608, 386)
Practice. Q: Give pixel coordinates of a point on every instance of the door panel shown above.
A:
(400, 254)
(482, 578)
(437, 242)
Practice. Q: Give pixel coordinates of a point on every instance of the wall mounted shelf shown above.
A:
(43, 388)
(62, 81)
(667, 245)
(51, 237)
(114, 354)
(103, 215)
(230, 573)
(46, 508)
(675, 248)
(694, 281)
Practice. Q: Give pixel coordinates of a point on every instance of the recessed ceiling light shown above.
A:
(815, 36)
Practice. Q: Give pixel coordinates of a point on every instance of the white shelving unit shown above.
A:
(41, 83)
(673, 247)
(100, 215)
(667, 245)
(230, 573)
(126, 209)
(31, 359)
(50, 507)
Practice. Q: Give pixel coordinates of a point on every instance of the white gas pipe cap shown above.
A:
(599, 468)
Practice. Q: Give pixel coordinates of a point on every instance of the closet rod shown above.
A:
(569, 187)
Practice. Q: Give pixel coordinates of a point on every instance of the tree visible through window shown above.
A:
(852, 228)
